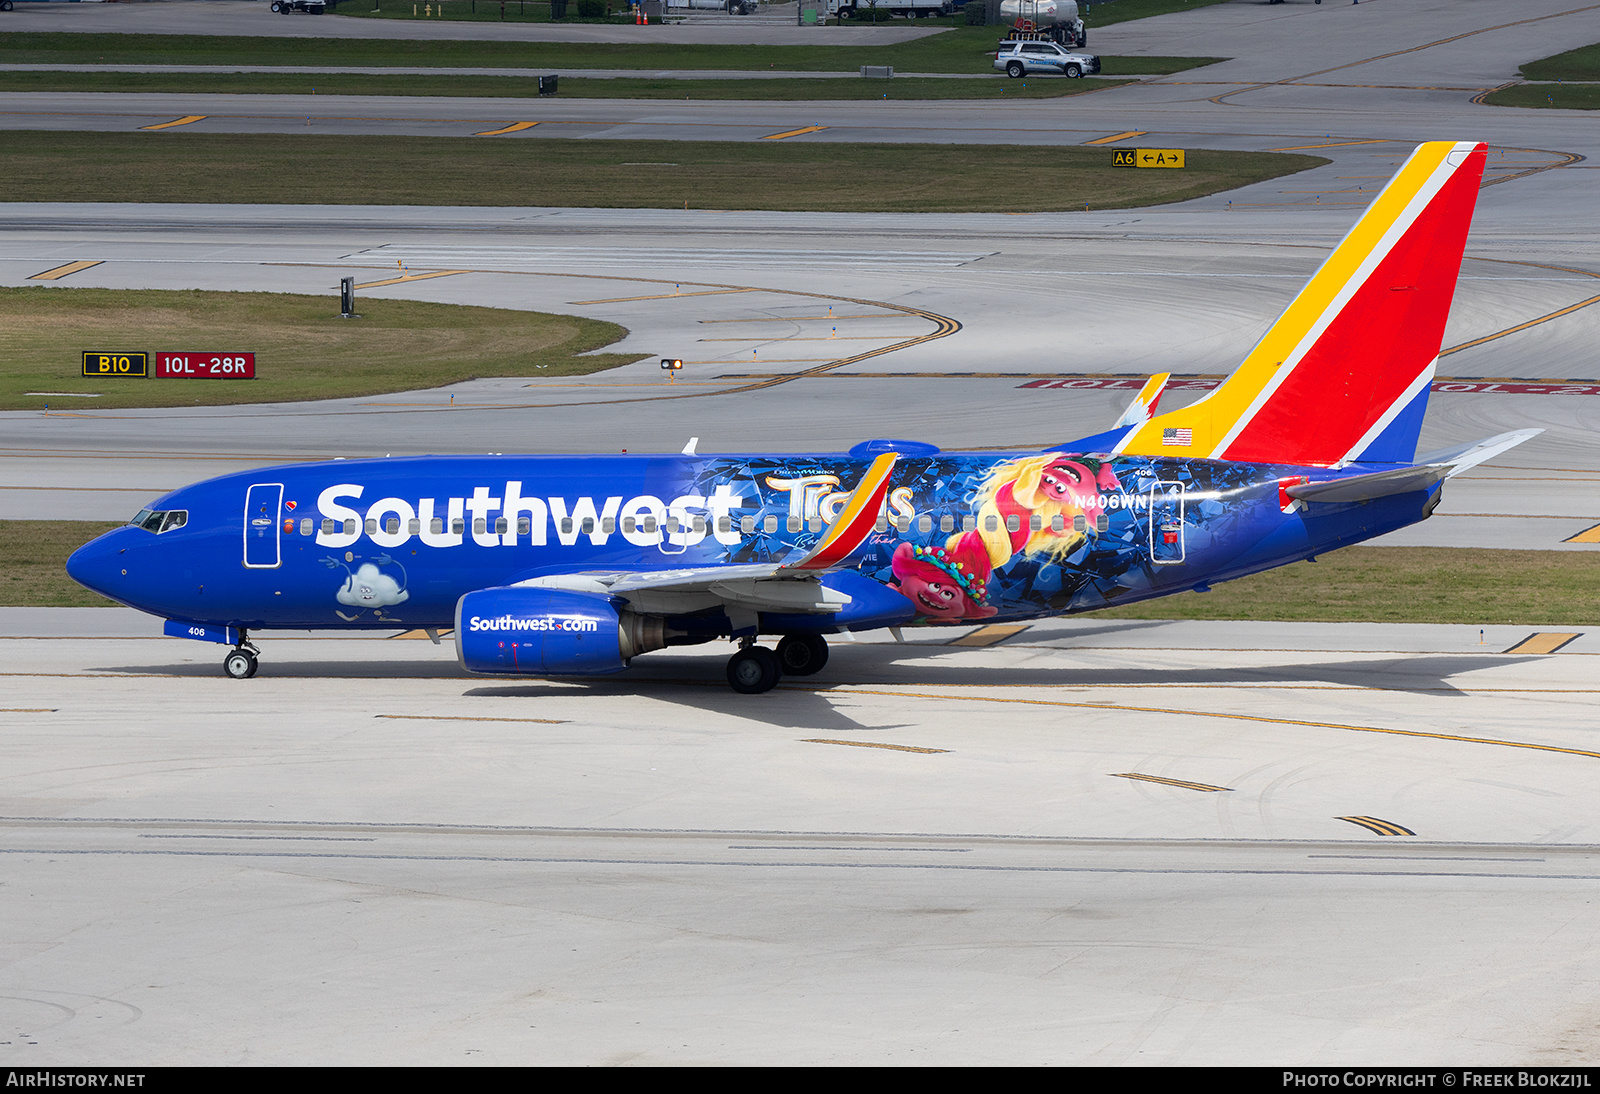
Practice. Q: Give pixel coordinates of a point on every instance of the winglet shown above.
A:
(1144, 404)
(854, 524)
(1343, 373)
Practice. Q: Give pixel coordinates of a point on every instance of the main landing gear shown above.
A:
(755, 669)
(243, 660)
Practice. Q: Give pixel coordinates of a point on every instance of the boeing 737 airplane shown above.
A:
(576, 565)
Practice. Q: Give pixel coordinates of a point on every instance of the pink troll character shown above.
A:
(945, 583)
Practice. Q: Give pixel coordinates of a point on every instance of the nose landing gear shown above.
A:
(242, 661)
(755, 669)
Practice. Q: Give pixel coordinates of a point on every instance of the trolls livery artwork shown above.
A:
(574, 565)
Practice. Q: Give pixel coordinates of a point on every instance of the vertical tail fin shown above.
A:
(1344, 372)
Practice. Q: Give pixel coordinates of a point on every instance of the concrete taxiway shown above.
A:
(1096, 842)
(1085, 841)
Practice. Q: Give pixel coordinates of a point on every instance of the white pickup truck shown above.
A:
(905, 9)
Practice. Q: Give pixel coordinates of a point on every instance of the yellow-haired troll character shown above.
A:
(1048, 486)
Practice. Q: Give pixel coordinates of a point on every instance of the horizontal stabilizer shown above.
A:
(1431, 470)
(1466, 456)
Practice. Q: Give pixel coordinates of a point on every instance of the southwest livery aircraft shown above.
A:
(563, 565)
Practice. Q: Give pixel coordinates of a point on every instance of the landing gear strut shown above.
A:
(242, 662)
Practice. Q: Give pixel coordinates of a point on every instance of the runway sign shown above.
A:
(116, 364)
(206, 366)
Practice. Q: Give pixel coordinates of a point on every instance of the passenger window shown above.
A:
(307, 526)
(350, 526)
(672, 523)
(650, 524)
(436, 525)
(816, 524)
(501, 525)
(991, 523)
(588, 526)
(392, 525)
(881, 524)
(413, 526)
(1035, 522)
(628, 525)
(925, 524)
(458, 526)
(327, 526)
(478, 526)
(747, 525)
(608, 525)
(1058, 523)
(724, 524)
(699, 525)
(524, 526)
(1102, 523)
(794, 523)
(372, 525)
(1013, 523)
(566, 526)
(947, 523)
(771, 523)
(902, 523)
(1079, 524)
(969, 523)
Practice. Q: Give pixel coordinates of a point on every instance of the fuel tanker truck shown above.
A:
(1044, 20)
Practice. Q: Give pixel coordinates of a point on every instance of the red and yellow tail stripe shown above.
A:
(1357, 338)
(855, 522)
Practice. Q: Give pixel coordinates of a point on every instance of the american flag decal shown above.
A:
(1178, 438)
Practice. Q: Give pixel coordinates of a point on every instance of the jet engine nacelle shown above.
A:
(532, 630)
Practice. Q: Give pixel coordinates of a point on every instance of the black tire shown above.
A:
(753, 670)
(846, 13)
(276, 7)
(1015, 69)
(240, 664)
(1073, 72)
(802, 654)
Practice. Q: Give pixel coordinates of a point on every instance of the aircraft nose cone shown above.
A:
(96, 563)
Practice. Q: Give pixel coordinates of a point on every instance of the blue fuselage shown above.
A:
(963, 537)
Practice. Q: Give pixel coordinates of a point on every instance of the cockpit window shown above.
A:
(160, 520)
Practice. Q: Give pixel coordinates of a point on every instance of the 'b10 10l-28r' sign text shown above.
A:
(206, 366)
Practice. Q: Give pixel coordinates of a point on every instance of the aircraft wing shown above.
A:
(1433, 468)
(788, 586)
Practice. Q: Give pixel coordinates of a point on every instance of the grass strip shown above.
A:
(1471, 585)
(1582, 63)
(1562, 96)
(33, 561)
(961, 49)
(516, 87)
(303, 349)
(181, 166)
